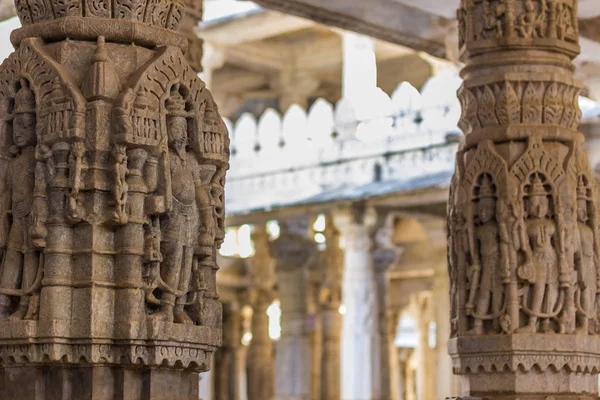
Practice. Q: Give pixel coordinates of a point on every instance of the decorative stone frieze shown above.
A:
(112, 197)
(523, 237)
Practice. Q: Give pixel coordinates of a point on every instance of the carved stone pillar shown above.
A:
(294, 253)
(260, 364)
(523, 210)
(226, 357)
(383, 259)
(425, 370)
(111, 206)
(361, 360)
(331, 300)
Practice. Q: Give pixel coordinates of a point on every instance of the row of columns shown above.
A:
(338, 326)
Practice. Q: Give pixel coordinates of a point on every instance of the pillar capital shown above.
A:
(492, 26)
(523, 236)
(293, 249)
(356, 225)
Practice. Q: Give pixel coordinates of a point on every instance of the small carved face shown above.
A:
(177, 130)
(487, 209)
(24, 130)
(582, 213)
(538, 206)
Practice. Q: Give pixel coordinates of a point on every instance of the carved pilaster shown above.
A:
(523, 248)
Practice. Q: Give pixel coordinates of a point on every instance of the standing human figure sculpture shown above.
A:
(22, 258)
(542, 273)
(531, 23)
(486, 285)
(189, 222)
(584, 262)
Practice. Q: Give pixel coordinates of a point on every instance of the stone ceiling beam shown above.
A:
(388, 20)
(252, 28)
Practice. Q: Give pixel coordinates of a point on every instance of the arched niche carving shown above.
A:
(140, 113)
(486, 161)
(60, 106)
(537, 159)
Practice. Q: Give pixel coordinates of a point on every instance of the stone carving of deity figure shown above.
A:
(189, 223)
(22, 255)
(585, 262)
(541, 272)
(531, 23)
(486, 284)
(492, 25)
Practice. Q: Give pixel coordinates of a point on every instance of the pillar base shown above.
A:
(51, 382)
(527, 366)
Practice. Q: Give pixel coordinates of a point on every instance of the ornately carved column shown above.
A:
(523, 210)
(260, 361)
(331, 300)
(111, 205)
(294, 253)
(361, 345)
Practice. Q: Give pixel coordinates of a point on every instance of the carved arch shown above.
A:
(141, 114)
(536, 159)
(60, 106)
(486, 160)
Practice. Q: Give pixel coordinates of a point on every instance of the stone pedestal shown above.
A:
(111, 205)
(523, 209)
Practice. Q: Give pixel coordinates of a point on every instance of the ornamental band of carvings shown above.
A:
(112, 172)
(484, 22)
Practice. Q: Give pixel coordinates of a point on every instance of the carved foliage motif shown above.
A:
(163, 14)
(523, 253)
(511, 103)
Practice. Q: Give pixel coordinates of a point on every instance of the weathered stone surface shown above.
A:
(523, 237)
(111, 201)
